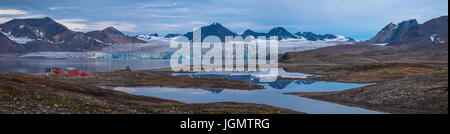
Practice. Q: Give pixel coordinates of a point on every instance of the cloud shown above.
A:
(122, 26)
(84, 26)
(161, 16)
(12, 12)
(197, 23)
(165, 26)
(3, 20)
(248, 25)
(74, 24)
(9, 14)
(147, 5)
(63, 8)
(174, 27)
(152, 13)
(6, 19)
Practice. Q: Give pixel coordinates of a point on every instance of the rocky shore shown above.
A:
(60, 94)
(406, 80)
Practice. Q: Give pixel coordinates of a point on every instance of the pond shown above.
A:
(273, 94)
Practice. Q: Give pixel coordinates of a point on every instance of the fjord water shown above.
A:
(273, 94)
(86, 65)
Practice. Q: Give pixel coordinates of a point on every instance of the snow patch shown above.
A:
(39, 33)
(20, 40)
(339, 38)
(432, 37)
(380, 44)
(99, 41)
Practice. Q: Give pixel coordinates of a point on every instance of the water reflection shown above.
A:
(279, 84)
(214, 91)
(86, 65)
(270, 96)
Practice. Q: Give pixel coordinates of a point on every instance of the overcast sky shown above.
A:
(359, 19)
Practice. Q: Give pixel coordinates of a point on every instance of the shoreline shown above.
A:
(25, 93)
(368, 97)
(408, 80)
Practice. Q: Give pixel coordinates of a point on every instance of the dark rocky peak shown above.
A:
(432, 32)
(403, 27)
(278, 30)
(9, 46)
(215, 29)
(113, 31)
(281, 32)
(44, 28)
(172, 35)
(308, 36)
(249, 32)
(393, 31)
(155, 35)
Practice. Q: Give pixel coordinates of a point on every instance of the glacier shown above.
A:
(159, 48)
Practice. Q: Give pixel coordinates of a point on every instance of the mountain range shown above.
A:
(147, 36)
(215, 29)
(412, 33)
(31, 35)
(220, 31)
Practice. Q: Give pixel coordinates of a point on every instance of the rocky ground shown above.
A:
(31, 94)
(161, 78)
(409, 80)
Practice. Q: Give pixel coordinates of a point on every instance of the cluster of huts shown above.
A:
(71, 71)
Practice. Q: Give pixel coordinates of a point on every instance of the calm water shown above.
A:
(271, 95)
(86, 65)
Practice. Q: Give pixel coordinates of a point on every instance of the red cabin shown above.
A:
(84, 74)
(59, 72)
(76, 73)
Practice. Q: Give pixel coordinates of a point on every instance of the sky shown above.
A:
(359, 19)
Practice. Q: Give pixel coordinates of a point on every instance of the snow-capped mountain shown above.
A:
(215, 29)
(147, 36)
(321, 37)
(169, 36)
(47, 35)
(111, 35)
(393, 31)
(283, 34)
(254, 34)
(411, 33)
(432, 32)
(9, 46)
(37, 35)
